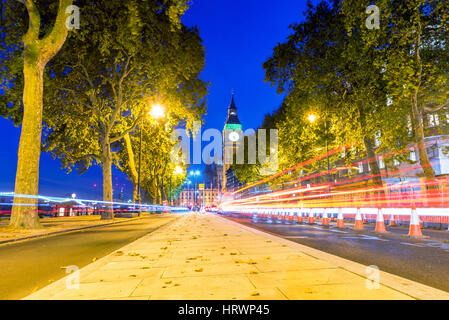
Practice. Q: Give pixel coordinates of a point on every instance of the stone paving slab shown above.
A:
(204, 256)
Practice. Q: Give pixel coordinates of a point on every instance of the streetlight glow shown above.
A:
(157, 111)
(312, 118)
(178, 170)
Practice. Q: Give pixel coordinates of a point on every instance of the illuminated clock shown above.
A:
(234, 136)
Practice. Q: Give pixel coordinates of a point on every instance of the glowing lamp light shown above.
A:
(311, 118)
(178, 170)
(157, 111)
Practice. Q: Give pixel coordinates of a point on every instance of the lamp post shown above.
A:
(312, 118)
(195, 174)
(177, 172)
(156, 112)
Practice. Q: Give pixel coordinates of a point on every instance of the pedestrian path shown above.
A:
(205, 256)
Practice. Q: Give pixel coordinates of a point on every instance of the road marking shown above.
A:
(296, 237)
(364, 237)
(339, 231)
(412, 244)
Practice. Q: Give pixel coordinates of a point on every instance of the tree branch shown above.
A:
(53, 41)
(114, 139)
(34, 22)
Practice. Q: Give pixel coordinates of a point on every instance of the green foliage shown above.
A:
(356, 81)
(125, 57)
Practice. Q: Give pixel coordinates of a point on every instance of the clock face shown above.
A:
(234, 136)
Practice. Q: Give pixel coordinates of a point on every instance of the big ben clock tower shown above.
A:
(232, 139)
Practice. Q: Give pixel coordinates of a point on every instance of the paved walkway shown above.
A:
(205, 256)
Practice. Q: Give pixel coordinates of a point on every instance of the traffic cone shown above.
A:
(364, 219)
(380, 224)
(299, 217)
(392, 222)
(325, 220)
(290, 216)
(340, 220)
(311, 217)
(358, 221)
(415, 229)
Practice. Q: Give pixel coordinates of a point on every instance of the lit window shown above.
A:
(412, 156)
(381, 163)
(377, 138)
(433, 120)
(360, 167)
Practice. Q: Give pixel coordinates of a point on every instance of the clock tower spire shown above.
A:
(232, 138)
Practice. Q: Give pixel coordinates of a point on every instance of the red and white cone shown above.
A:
(290, 216)
(380, 223)
(415, 229)
(311, 217)
(340, 220)
(392, 222)
(364, 219)
(325, 220)
(299, 217)
(358, 221)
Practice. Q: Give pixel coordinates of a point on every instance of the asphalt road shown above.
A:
(425, 261)
(28, 266)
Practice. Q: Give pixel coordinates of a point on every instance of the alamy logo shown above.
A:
(73, 279)
(235, 147)
(373, 20)
(73, 21)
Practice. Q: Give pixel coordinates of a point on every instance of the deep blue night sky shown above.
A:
(239, 36)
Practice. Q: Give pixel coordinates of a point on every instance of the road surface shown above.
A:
(28, 266)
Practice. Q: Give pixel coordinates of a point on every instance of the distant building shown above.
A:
(202, 197)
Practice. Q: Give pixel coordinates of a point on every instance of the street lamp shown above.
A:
(195, 174)
(178, 171)
(156, 112)
(312, 118)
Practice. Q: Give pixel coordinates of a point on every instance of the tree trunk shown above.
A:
(418, 126)
(417, 116)
(135, 193)
(131, 166)
(374, 165)
(27, 176)
(107, 181)
(37, 52)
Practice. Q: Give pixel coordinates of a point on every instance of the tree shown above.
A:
(327, 73)
(157, 169)
(46, 32)
(413, 51)
(129, 56)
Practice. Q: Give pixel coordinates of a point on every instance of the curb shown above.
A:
(411, 288)
(55, 233)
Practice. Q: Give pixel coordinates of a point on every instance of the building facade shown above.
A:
(199, 198)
